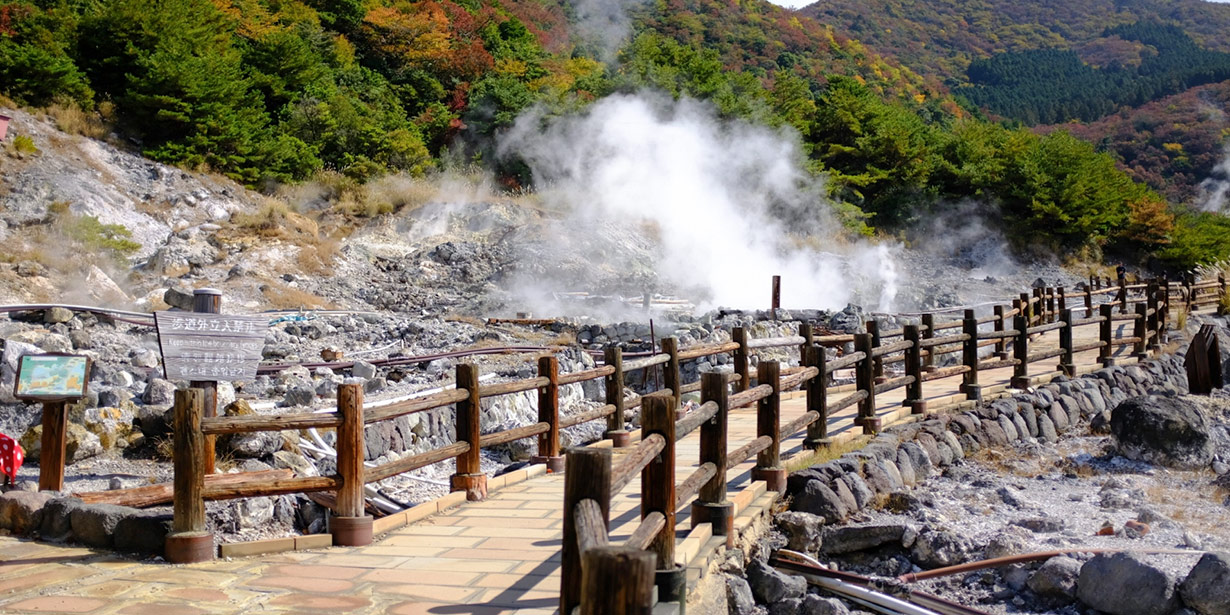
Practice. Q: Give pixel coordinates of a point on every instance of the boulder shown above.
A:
(770, 586)
(179, 298)
(363, 369)
(1207, 587)
(57, 525)
(814, 604)
(142, 532)
(1055, 580)
(1125, 584)
(159, 392)
(848, 539)
(818, 499)
(739, 598)
(938, 548)
(802, 530)
(94, 524)
(21, 512)
(1169, 431)
(79, 443)
(55, 315)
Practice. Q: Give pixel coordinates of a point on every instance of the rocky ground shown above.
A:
(1124, 508)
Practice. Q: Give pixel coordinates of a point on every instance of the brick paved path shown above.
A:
(497, 556)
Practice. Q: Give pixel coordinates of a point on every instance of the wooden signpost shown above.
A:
(55, 380)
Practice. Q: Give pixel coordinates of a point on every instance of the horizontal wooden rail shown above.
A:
(998, 335)
(1054, 326)
(773, 342)
(161, 493)
(644, 533)
(635, 461)
(1086, 346)
(214, 425)
(797, 378)
(692, 484)
(847, 401)
(589, 374)
(750, 396)
(695, 419)
(944, 372)
(587, 416)
(942, 341)
(997, 363)
(743, 453)
(1034, 357)
(516, 386)
(1125, 341)
(262, 488)
(894, 383)
(1125, 317)
(508, 435)
(642, 363)
(891, 348)
(955, 324)
(1093, 320)
(844, 362)
(414, 462)
(590, 526)
(798, 424)
(430, 402)
(830, 340)
(704, 350)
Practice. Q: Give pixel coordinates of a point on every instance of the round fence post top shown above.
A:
(207, 291)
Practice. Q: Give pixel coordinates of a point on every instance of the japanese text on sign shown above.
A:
(199, 346)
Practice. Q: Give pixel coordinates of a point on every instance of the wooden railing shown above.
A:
(873, 363)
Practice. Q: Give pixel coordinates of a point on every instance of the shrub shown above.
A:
(23, 144)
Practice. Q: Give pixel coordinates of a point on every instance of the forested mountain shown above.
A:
(269, 91)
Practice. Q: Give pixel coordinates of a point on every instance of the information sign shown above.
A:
(201, 346)
(52, 377)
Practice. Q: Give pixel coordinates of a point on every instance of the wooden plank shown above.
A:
(350, 450)
(189, 500)
(162, 493)
(587, 476)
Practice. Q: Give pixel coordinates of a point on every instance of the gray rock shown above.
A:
(142, 532)
(43, 339)
(789, 606)
(818, 499)
(770, 586)
(1170, 431)
(802, 530)
(294, 461)
(953, 443)
(1041, 524)
(253, 512)
(1125, 584)
(179, 297)
(363, 369)
(843, 492)
(906, 467)
(863, 496)
(21, 512)
(739, 596)
(848, 539)
(938, 548)
(1046, 429)
(814, 604)
(254, 445)
(159, 392)
(57, 314)
(94, 524)
(57, 523)
(300, 395)
(1207, 587)
(155, 421)
(1055, 580)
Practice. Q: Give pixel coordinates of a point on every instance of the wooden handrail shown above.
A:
(694, 419)
(585, 417)
(421, 404)
(515, 386)
(590, 524)
(215, 425)
(644, 533)
(692, 484)
(509, 435)
(773, 342)
(704, 350)
(642, 363)
(414, 462)
(744, 452)
(750, 396)
(634, 461)
(589, 374)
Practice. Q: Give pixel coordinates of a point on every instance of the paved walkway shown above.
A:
(496, 556)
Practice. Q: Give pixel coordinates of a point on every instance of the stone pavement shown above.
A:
(497, 556)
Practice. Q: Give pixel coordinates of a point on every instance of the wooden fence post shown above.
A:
(1164, 322)
(865, 381)
(1155, 337)
(1123, 294)
(1001, 344)
(189, 541)
(587, 477)
(469, 477)
(776, 299)
(738, 335)
(768, 423)
(1067, 362)
(617, 581)
(969, 348)
(711, 505)
(1050, 304)
(207, 301)
(913, 367)
(809, 339)
(877, 365)
(1039, 313)
(658, 478)
(1088, 302)
(928, 332)
(548, 412)
(1107, 334)
(613, 356)
(818, 399)
(349, 525)
(54, 446)
(1061, 301)
(1221, 285)
(1020, 351)
(1027, 308)
(670, 371)
(1140, 331)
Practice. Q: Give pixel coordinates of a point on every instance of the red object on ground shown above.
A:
(11, 457)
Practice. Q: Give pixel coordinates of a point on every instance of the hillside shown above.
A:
(341, 93)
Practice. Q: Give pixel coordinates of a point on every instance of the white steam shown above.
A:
(605, 24)
(1215, 190)
(728, 201)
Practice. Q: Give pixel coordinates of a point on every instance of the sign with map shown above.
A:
(210, 347)
(52, 377)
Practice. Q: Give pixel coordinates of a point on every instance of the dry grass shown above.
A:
(317, 259)
(71, 119)
(282, 297)
(827, 453)
(276, 220)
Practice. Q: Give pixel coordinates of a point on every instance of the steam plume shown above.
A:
(729, 202)
(1215, 190)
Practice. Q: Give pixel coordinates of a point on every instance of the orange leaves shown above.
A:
(416, 34)
(1149, 221)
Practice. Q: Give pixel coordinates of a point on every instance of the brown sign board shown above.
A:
(204, 347)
